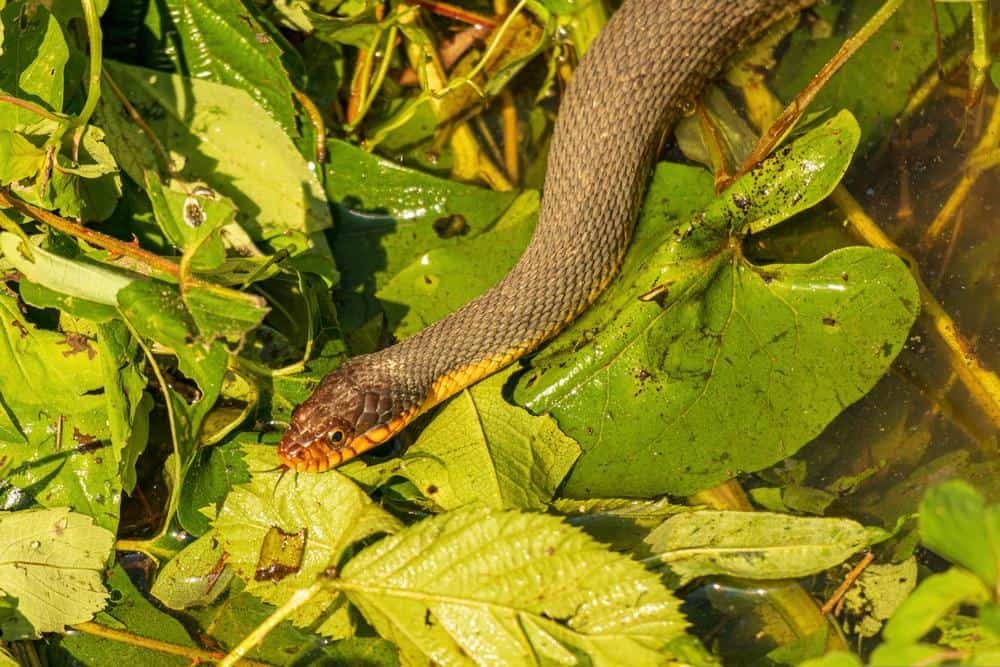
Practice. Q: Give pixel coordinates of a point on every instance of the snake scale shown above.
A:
(645, 68)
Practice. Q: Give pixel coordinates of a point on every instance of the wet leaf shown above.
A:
(753, 545)
(329, 511)
(738, 365)
(480, 449)
(218, 135)
(508, 585)
(51, 565)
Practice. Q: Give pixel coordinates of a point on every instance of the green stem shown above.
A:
(94, 39)
(376, 84)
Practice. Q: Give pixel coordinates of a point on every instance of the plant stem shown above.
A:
(194, 654)
(94, 39)
(34, 108)
(982, 384)
(298, 598)
(95, 238)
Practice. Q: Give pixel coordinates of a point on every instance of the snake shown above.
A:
(643, 71)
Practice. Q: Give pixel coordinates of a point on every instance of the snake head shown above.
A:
(340, 420)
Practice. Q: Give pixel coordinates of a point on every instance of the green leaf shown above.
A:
(834, 659)
(753, 545)
(220, 136)
(733, 366)
(19, 158)
(238, 614)
(995, 74)
(195, 577)
(519, 588)
(130, 611)
(894, 654)
(54, 387)
(481, 449)
(191, 219)
(387, 215)
(51, 563)
(956, 523)
(934, 598)
(876, 595)
(214, 472)
(32, 60)
(222, 42)
(128, 405)
(445, 278)
(622, 523)
(76, 278)
(328, 511)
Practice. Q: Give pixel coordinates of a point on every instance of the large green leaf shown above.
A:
(318, 518)
(51, 561)
(33, 55)
(389, 216)
(728, 366)
(753, 545)
(510, 588)
(481, 449)
(221, 136)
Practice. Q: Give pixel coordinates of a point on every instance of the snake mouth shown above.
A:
(319, 456)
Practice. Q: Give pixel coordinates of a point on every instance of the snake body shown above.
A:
(645, 68)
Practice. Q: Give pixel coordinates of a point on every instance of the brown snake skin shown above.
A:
(649, 63)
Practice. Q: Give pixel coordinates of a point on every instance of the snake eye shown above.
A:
(335, 436)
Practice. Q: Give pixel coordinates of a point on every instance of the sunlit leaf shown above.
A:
(509, 588)
(51, 563)
(32, 59)
(481, 449)
(936, 596)
(220, 136)
(328, 511)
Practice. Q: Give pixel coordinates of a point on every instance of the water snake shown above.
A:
(648, 64)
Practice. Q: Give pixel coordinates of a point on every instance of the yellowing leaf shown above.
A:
(51, 562)
(754, 545)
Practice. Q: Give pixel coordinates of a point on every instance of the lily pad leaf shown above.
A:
(753, 545)
(697, 365)
(521, 588)
(51, 563)
(221, 136)
(319, 515)
(481, 449)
